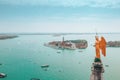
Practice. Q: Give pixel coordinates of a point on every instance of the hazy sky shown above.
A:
(59, 16)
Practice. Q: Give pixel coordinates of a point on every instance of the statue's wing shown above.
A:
(103, 46)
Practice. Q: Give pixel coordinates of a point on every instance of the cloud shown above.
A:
(66, 3)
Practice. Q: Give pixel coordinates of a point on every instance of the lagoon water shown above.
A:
(22, 57)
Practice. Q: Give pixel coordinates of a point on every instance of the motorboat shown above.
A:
(2, 75)
(35, 79)
(45, 66)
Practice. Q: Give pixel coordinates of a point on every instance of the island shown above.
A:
(4, 36)
(113, 44)
(68, 44)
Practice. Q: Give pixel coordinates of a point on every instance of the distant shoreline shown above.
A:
(4, 37)
(56, 33)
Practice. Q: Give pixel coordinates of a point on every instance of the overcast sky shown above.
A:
(74, 16)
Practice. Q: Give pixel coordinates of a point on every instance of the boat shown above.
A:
(35, 79)
(2, 75)
(80, 51)
(106, 65)
(58, 52)
(45, 66)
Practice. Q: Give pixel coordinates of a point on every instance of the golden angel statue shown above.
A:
(100, 46)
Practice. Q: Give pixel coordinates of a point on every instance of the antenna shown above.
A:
(96, 32)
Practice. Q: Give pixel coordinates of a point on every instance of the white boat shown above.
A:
(2, 75)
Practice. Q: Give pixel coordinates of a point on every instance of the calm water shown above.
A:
(22, 57)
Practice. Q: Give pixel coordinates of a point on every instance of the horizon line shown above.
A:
(52, 33)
